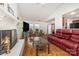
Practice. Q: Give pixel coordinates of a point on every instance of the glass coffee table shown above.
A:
(41, 43)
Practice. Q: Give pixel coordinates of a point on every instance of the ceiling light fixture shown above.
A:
(72, 13)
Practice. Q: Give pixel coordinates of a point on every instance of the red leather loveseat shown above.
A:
(66, 39)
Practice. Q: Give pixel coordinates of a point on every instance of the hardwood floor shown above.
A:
(29, 50)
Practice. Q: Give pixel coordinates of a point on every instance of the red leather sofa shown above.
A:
(66, 39)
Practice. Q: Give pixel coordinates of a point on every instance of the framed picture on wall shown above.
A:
(10, 9)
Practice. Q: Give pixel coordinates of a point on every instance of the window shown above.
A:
(36, 26)
(31, 26)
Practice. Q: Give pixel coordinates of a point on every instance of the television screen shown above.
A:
(74, 25)
(71, 25)
(25, 26)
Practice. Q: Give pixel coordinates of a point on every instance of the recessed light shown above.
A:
(72, 13)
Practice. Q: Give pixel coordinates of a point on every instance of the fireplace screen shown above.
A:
(7, 36)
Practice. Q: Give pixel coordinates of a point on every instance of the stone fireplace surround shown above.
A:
(12, 34)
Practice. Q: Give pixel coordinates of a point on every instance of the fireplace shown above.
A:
(12, 34)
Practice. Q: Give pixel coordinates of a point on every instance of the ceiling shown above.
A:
(74, 15)
(37, 11)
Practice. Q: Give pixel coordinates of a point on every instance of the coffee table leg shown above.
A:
(33, 43)
(36, 50)
(48, 49)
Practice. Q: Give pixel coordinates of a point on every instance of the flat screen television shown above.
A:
(74, 25)
(25, 26)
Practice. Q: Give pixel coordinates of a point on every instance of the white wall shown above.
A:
(49, 29)
(58, 22)
(62, 9)
(68, 22)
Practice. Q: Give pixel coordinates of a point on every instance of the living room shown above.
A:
(36, 29)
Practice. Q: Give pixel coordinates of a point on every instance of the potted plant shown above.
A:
(36, 33)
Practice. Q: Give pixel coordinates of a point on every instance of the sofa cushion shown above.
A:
(63, 33)
(75, 31)
(58, 30)
(53, 38)
(59, 35)
(75, 38)
(66, 36)
(66, 31)
(70, 44)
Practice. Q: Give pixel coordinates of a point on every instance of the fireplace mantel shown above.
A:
(7, 20)
(6, 14)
